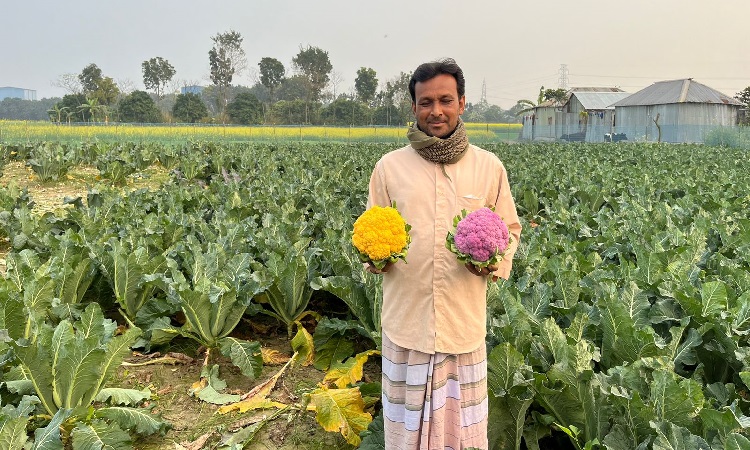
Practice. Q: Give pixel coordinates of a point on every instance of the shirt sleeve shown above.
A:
(505, 207)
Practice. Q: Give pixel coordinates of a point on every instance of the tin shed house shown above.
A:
(675, 111)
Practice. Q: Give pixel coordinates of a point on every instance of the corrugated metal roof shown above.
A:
(677, 91)
(599, 100)
(554, 103)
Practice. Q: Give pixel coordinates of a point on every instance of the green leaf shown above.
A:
(48, 438)
(675, 399)
(331, 344)
(37, 367)
(736, 441)
(12, 316)
(77, 371)
(117, 349)
(673, 437)
(13, 431)
(141, 421)
(725, 421)
(122, 396)
(100, 435)
(210, 387)
(714, 298)
(374, 437)
(244, 354)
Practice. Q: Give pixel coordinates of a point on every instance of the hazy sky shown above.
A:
(513, 46)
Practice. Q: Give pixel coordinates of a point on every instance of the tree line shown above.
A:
(305, 93)
(308, 92)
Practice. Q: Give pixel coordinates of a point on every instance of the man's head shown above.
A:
(437, 93)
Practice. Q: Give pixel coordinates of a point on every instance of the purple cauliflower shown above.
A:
(481, 236)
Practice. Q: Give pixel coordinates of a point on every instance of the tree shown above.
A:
(394, 102)
(138, 107)
(69, 82)
(157, 72)
(226, 59)
(20, 109)
(314, 64)
(106, 92)
(56, 113)
(272, 73)
(90, 77)
(366, 84)
(71, 103)
(346, 111)
(560, 95)
(231, 42)
(744, 96)
(189, 108)
(95, 85)
(245, 109)
(293, 88)
(290, 112)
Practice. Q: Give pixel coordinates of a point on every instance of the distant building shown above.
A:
(675, 111)
(14, 92)
(191, 89)
(585, 115)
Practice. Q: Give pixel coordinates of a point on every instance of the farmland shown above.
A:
(624, 323)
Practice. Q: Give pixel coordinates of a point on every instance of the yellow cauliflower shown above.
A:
(381, 235)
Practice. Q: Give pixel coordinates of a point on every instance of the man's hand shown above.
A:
(483, 272)
(372, 269)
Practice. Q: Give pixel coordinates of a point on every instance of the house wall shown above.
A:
(680, 122)
(544, 123)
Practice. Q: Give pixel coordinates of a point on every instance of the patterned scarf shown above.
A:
(437, 150)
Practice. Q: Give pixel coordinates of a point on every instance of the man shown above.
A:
(434, 307)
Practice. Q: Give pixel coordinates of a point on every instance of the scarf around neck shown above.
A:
(438, 150)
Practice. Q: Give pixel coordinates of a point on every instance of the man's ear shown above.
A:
(414, 109)
(461, 104)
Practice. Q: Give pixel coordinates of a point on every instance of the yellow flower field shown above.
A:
(30, 131)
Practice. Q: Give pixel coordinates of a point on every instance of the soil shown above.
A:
(195, 424)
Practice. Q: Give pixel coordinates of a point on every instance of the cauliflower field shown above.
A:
(624, 324)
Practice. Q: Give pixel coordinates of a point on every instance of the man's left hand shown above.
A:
(482, 272)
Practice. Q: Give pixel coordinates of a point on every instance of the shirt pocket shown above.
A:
(470, 202)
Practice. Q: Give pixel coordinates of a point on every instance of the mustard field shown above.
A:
(29, 131)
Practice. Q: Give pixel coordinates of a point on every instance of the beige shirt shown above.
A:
(433, 303)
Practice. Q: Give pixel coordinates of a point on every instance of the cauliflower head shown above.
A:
(381, 235)
(480, 237)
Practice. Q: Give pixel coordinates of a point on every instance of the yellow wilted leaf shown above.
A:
(341, 410)
(198, 386)
(302, 344)
(257, 397)
(350, 371)
(250, 404)
(273, 357)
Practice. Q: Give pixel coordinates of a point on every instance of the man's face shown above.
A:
(438, 106)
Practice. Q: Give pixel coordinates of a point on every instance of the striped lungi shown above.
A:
(434, 401)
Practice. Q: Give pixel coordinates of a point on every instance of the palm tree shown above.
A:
(57, 111)
(91, 106)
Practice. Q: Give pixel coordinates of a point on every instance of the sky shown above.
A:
(511, 48)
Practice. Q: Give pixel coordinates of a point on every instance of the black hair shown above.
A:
(430, 70)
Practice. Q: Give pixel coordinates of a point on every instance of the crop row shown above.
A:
(624, 323)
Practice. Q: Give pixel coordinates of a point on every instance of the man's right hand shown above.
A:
(372, 269)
